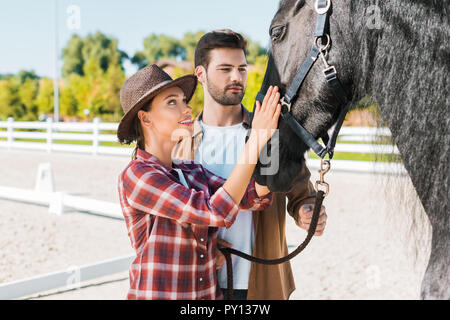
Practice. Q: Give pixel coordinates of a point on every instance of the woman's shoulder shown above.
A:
(138, 168)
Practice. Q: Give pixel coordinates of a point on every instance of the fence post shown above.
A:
(10, 131)
(95, 134)
(49, 134)
(56, 205)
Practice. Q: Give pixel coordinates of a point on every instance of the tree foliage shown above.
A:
(98, 47)
(254, 80)
(157, 47)
(93, 73)
(10, 105)
(189, 42)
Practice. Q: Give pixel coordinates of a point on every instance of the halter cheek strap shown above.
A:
(323, 9)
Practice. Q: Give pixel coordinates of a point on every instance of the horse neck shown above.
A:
(404, 65)
(403, 57)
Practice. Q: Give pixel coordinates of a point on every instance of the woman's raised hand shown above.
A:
(264, 125)
(265, 119)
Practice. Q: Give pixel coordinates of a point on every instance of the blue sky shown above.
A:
(27, 26)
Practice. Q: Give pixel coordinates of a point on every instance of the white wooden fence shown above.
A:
(52, 131)
(11, 132)
(58, 202)
(70, 278)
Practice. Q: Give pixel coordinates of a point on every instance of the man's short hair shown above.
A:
(225, 38)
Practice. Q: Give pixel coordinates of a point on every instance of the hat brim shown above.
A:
(187, 83)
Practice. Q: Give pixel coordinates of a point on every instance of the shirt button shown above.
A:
(201, 279)
(201, 239)
(201, 256)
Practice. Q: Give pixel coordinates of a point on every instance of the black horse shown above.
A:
(396, 52)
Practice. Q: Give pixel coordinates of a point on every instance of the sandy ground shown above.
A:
(365, 252)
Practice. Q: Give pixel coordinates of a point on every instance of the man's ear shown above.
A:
(200, 72)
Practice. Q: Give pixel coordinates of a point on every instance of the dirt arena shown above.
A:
(366, 251)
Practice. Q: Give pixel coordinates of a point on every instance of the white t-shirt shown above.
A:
(181, 176)
(218, 152)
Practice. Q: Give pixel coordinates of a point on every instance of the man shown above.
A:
(219, 136)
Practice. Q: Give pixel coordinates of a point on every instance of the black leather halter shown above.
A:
(323, 9)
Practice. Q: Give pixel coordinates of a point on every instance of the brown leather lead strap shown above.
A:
(229, 274)
(312, 229)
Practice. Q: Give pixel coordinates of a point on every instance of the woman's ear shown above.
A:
(144, 117)
(200, 72)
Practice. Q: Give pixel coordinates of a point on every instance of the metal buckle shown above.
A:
(322, 10)
(322, 171)
(329, 70)
(284, 103)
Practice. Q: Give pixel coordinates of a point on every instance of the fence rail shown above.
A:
(88, 137)
(71, 278)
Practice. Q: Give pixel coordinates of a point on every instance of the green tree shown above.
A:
(45, 98)
(27, 93)
(189, 42)
(254, 81)
(157, 47)
(113, 80)
(69, 105)
(254, 50)
(10, 105)
(89, 95)
(93, 73)
(6, 76)
(98, 46)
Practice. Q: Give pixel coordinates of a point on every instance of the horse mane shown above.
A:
(272, 76)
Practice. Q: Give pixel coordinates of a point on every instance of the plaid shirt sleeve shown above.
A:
(153, 192)
(250, 200)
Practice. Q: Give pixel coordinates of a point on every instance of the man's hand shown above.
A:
(220, 258)
(305, 216)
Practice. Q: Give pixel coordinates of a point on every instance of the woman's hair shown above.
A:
(138, 133)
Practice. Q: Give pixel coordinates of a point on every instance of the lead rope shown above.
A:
(320, 195)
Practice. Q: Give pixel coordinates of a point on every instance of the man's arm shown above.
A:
(301, 200)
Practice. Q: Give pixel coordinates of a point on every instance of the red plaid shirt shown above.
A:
(174, 229)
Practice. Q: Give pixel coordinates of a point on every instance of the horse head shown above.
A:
(315, 107)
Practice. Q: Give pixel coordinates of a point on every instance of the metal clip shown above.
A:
(325, 166)
(284, 103)
(325, 62)
(322, 10)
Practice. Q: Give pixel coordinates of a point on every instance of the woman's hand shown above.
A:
(264, 125)
(265, 119)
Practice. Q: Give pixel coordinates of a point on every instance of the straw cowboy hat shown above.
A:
(140, 88)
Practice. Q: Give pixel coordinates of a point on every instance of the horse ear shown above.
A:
(298, 5)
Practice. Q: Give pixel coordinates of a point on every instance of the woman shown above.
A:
(172, 210)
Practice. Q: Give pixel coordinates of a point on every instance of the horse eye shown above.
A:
(277, 32)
